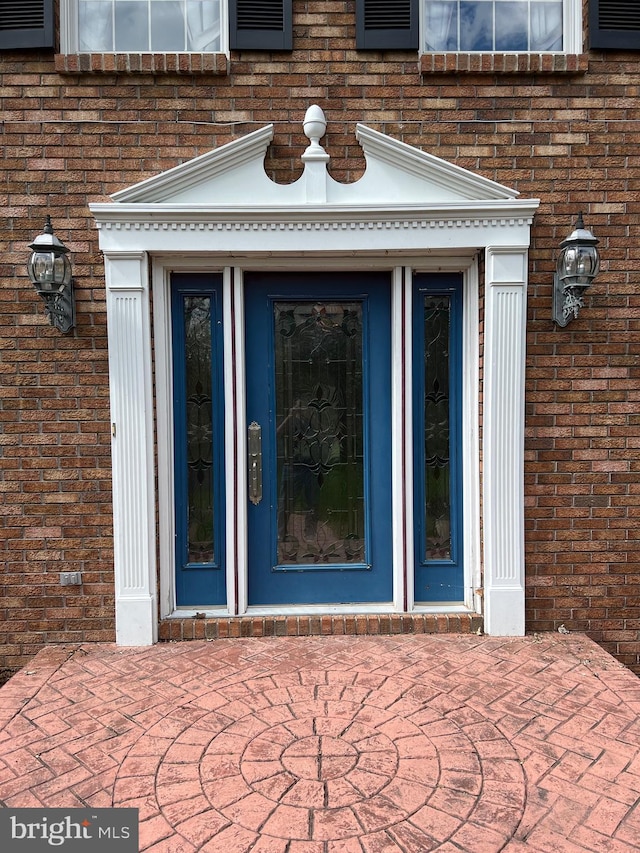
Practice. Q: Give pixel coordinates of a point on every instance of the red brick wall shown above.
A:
(570, 139)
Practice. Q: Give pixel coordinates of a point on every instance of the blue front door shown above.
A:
(318, 355)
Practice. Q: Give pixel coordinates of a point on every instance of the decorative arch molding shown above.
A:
(409, 209)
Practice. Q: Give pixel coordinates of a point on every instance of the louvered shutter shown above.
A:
(614, 24)
(387, 25)
(260, 25)
(26, 23)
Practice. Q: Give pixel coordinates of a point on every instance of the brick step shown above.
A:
(215, 628)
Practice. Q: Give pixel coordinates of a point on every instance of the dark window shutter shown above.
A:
(26, 23)
(614, 24)
(260, 25)
(387, 25)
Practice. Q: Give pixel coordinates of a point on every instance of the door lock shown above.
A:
(254, 445)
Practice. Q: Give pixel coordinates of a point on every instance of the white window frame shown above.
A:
(571, 24)
(69, 36)
(572, 20)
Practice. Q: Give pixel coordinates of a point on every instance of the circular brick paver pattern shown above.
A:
(389, 769)
(319, 758)
(345, 761)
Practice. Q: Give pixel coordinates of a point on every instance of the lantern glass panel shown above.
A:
(588, 262)
(578, 265)
(62, 270)
(42, 269)
(48, 270)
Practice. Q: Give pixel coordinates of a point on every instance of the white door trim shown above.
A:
(235, 432)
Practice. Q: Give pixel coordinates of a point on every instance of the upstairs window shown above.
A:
(504, 26)
(174, 26)
(155, 26)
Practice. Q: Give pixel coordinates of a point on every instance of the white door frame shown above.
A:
(236, 425)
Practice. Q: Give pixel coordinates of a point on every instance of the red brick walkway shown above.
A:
(396, 744)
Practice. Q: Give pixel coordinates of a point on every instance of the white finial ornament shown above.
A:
(315, 127)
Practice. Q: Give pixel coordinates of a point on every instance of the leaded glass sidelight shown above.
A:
(319, 432)
(437, 413)
(198, 440)
(199, 430)
(437, 431)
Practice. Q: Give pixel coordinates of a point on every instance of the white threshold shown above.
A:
(316, 610)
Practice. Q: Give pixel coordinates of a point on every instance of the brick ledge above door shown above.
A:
(215, 628)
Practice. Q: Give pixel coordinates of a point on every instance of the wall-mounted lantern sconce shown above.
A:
(49, 269)
(578, 264)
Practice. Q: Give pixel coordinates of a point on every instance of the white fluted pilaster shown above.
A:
(132, 446)
(503, 440)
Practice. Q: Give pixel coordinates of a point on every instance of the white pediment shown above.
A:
(233, 176)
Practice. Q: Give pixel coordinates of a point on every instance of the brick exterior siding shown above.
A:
(568, 137)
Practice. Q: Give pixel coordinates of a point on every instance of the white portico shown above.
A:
(412, 216)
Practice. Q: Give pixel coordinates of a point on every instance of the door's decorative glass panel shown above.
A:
(437, 432)
(319, 432)
(199, 432)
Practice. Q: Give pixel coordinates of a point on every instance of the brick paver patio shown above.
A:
(388, 744)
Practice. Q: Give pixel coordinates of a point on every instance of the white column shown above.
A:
(503, 440)
(132, 446)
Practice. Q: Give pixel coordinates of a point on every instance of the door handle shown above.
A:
(254, 446)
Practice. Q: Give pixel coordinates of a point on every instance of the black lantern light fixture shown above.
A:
(49, 269)
(578, 264)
